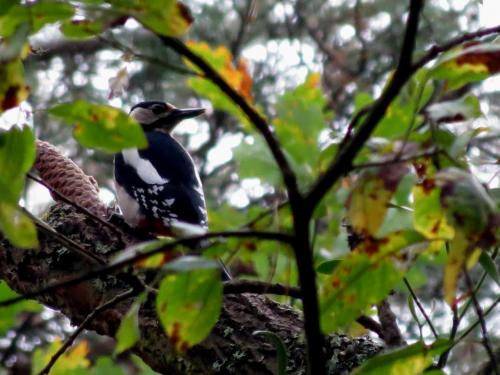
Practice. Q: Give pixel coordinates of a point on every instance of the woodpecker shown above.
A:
(158, 188)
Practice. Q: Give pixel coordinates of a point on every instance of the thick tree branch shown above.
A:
(231, 345)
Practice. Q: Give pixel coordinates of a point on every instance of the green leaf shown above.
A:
(17, 154)
(191, 263)
(74, 360)
(189, 304)
(255, 160)
(397, 119)
(17, 226)
(128, 333)
(104, 366)
(10, 314)
(164, 17)
(15, 46)
(411, 360)
(48, 11)
(300, 117)
(465, 201)
(489, 266)
(428, 218)
(81, 29)
(37, 14)
(100, 126)
(329, 266)
(366, 276)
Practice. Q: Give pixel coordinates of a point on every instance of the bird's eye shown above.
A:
(158, 108)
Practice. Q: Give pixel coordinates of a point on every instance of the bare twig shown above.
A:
(443, 358)
(151, 59)
(408, 158)
(245, 18)
(480, 316)
(90, 317)
(477, 322)
(420, 307)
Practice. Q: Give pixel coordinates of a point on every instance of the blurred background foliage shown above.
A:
(309, 66)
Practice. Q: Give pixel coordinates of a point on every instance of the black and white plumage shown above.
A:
(158, 188)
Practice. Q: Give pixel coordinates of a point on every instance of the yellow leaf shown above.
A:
(462, 254)
(221, 59)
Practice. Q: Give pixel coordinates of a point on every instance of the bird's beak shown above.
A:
(180, 114)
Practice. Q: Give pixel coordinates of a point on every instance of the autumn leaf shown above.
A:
(13, 90)
(236, 75)
(367, 203)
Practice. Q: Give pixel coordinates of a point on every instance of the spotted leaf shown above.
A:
(189, 303)
(366, 276)
(101, 126)
(367, 203)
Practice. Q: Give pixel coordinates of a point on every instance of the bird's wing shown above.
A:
(172, 191)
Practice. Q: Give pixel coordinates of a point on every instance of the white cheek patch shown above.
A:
(144, 168)
(143, 116)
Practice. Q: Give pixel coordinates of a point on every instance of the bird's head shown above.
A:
(161, 116)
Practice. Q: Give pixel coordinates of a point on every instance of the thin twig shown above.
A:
(151, 59)
(465, 308)
(413, 157)
(420, 307)
(477, 322)
(480, 316)
(90, 317)
(186, 241)
(443, 358)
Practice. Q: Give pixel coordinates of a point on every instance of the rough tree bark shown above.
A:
(230, 349)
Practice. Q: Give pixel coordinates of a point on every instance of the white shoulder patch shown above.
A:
(146, 171)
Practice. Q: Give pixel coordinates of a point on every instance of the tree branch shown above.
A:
(259, 122)
(343, 162)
